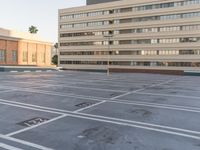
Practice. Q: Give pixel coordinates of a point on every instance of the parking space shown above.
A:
(86, 111)
(46, 100)
(12, 116)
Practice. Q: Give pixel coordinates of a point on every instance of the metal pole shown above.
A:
(108, 61)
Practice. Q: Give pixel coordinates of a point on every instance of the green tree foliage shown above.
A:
(55, 59)
(33, 29)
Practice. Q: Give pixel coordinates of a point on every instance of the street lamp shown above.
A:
(109, 36)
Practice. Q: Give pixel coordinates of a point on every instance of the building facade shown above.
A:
(131, 34)
(17, 48)
(90, 2)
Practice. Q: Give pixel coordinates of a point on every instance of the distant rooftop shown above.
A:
(90, 2)
(21, 35)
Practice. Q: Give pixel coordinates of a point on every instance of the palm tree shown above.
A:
(33, 29)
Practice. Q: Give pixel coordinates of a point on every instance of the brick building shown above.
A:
(18, 48)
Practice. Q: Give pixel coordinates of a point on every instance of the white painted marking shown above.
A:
(153, 85)
(88, 88)
(79, 110)
(32, 127)
(52, 120)
(27, 71)
(61, 94)
(24, 142)
(7, 91)
(141, 127)
(31, 108)
(156, 105)
(71, 86)
(38, 71)
(108, 118)
(13, 71)
(8, 147)
(159, 94)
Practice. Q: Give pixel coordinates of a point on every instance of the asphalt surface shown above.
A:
(92, 111)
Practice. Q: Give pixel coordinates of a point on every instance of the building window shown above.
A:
(14, 56)
(25, 56)
(34, 57)
(43, 57)
(2, 55)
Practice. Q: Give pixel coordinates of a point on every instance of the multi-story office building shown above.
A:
(131, 34)
(90, 2)
(19, 48)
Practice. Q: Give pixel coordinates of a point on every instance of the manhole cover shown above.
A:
(85, 104)
(33, 122)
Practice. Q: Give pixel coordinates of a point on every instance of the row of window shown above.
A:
(131, 20)
(134, 63)
(82, 25)
(160, 29)
(81, 15)
(140, 41)
(130, 9)
(160, 17)
(167, 5)
(136, 52)
(3, 56)
(34, 57)
(160, 41)
(138, 30)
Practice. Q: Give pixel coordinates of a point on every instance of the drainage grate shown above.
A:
(33, 122)
(85, 104)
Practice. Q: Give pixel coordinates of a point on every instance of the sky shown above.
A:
(21, 14)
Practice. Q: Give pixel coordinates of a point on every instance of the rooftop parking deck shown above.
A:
(72, 110)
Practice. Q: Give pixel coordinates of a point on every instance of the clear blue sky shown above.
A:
(20, 14)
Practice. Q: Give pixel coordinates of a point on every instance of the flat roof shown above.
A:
(90, 110)
(18, 35)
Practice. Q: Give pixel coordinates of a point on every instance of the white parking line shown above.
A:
(169, 95)
(5, 91)
(79, 110)
(35, 126)
(8, 147)
(153, 85)
(141, 127)
(24, 142)
(111, 119)
(71, 86)
(156, 105)
(32, 107)
(52, 120)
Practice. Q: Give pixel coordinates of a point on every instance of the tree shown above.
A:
(55, 57)
(56, 45)
(55, 60)
(33, 29)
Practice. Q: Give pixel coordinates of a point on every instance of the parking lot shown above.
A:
(92, 111)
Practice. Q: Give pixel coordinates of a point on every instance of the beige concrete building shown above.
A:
(21, 48)
(131, 34)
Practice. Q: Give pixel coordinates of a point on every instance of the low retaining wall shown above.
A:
(153, 71)
(22, 69)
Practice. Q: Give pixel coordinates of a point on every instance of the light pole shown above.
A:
(109, 36)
